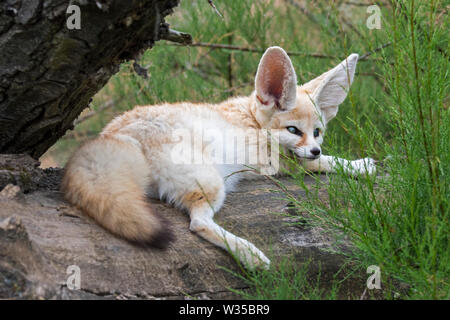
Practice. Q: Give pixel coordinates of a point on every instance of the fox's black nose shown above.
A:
(315, 151)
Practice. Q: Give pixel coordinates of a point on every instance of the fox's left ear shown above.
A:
(330, 89)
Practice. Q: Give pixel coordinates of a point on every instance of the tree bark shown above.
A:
(49, 73)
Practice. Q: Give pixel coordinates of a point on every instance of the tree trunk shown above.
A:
(49, 73)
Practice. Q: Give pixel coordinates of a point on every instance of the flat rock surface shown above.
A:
(41, 236)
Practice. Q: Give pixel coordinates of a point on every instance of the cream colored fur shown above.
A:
(109, 177)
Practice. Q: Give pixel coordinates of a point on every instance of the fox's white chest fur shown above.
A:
(168, 152)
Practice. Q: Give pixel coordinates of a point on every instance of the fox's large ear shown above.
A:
(330, 89)
(276, 81)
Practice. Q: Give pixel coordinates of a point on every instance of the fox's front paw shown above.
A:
(260, 262)
(366, 165)
(252, 257)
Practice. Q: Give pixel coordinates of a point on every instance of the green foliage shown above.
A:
(286, 281)
(399, 220)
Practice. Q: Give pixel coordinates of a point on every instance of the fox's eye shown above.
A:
(294, 130)
(316, 132)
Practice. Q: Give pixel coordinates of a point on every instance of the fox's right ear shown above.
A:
(276, 81)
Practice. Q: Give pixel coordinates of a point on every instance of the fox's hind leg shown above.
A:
(202, 201)
(203, 224)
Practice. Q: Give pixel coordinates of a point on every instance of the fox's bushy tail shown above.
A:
(107, 178)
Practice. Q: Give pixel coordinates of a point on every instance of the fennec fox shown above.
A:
(110, 177)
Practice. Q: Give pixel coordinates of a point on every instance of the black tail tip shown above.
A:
(162, 239)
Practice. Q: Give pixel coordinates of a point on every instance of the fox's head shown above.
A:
(299, 114)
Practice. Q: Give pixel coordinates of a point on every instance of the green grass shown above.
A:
(397, 112)
(285, 281)
(399, 220)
